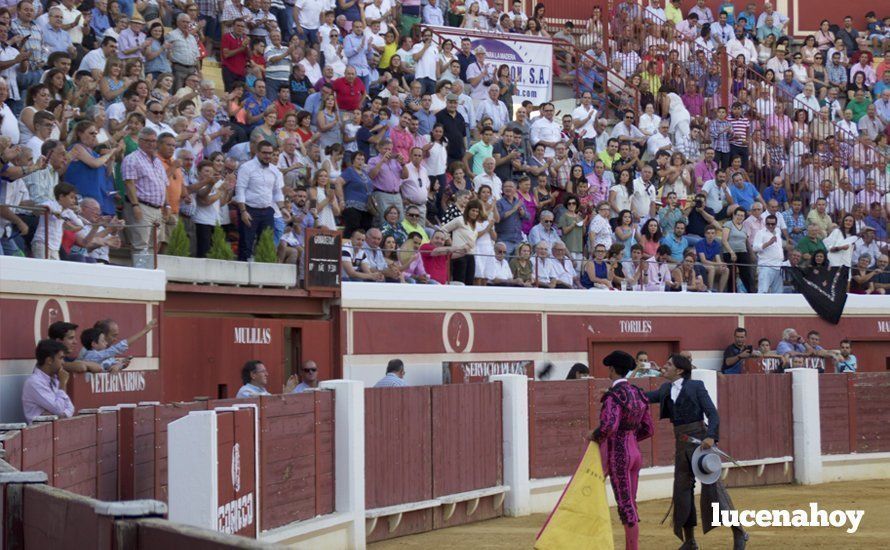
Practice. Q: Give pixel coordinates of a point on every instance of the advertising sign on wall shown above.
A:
(530, 59)
(458, 372)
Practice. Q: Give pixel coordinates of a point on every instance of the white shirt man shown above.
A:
(745, 47)
(426, 65)
(770, 255)
(495, 108)
(659, 140)
(416, 187)
(489, 178)
(547, 130)
(584, 117)
(562, 269)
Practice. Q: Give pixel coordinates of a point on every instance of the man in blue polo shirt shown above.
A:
(708, 252)
(677, 241)
(743, 192)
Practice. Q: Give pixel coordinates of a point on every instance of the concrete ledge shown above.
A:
(470, 495)
(262, 274)
(131, 508)
(311, 532)
(855, 467)
(204, 270)
(402, 508)
(22, 477)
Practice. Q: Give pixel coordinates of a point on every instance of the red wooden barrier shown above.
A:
(559, 420)
(834, 413)
(398, 443)
(755, 416)
(58, 520)
(467, 437)
(74, 455)
(106, 456)
(237, 428)
(12, 448)
(296, 457)
(37, 449)
(871, 411)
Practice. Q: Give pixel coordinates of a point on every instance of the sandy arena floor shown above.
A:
(871, 496)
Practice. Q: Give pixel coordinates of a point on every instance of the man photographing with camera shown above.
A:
(735, 355)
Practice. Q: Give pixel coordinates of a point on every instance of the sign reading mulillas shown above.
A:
(322, 260)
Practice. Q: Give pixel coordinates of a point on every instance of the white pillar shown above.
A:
(515, 428)
(807, 426)
(709, 377)
(349, 448)
(193, 483)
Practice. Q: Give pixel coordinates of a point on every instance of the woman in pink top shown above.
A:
(529, 203)
(650, 236)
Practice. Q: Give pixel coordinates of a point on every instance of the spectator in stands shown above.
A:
(258, 188)
(644, 368)
(354, 260)
(255, 378)
(659, 271)
(768, 246)
(64, 332)
(61, 217)
(501, 274)
(43, 393)
(98, 350)
(676, 241)
(511, 213)
(735, 354)
(845, 361)
(579, 371)
(544, 231)
(791, 345)
(709, 252)
(308, 378)
(395, 375)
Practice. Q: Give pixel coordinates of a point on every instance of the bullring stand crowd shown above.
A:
(356, 116)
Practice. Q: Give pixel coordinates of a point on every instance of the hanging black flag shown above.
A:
(824, 288)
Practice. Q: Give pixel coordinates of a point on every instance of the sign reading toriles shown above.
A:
(529, 59)
(480, 371)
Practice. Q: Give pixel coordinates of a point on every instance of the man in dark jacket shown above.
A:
(686, 403)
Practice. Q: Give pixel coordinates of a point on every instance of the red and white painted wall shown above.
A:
(430, 327)
(35, 294)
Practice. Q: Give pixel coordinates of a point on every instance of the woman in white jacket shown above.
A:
(840, 242)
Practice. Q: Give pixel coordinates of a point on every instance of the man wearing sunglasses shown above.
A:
(770, 256)
(308, 377)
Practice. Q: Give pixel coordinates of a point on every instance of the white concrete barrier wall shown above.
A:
(515, 433)
(807, 431)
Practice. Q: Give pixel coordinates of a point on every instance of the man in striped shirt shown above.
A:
(395, 374)
(738, 142)
(721, 131)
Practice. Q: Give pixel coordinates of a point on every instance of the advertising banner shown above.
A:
(459, 372)
(530, 59)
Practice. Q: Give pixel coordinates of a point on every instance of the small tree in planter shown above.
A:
(265, 249)
(219, 248)
(178, 244)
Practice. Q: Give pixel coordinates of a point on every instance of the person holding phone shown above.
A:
(735, 355)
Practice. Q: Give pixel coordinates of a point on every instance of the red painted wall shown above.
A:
(203, 355)
(18, 318)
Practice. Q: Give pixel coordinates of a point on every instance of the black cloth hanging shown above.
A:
(824, 288)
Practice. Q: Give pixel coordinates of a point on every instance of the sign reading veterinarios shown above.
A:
(530, 60)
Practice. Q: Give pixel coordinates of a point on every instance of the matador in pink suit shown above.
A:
(624, 422)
